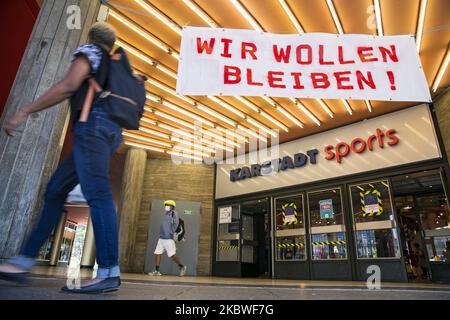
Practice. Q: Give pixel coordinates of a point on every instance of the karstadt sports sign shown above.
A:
(298, 160)
(398, 138)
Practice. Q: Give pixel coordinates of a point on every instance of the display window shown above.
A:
(228, 233)
(327, 228)
(290, 230)
(374, 221)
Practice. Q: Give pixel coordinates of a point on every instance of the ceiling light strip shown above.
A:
(160, 16)
(201, 13)
(173, 119)
(378, 18)
(185, 134)
(289, 116)
(261, 126)
(368, 105)
(168, 89)
(146, 58)
(143, 146)
(264, 114)
(219, 137)
(199, 106)
(246, 14)
(184, 155)
(192, 151)
(152, 122)
(143, 33)
(291, 16)
(274, 121)
(232, 133)
(325, 107)
(187, 113)
(192, 145)
(334, 15)
(420, 23)
(307, 112)
(216, 114)
(252, 133)
(227, 106)
(441, 70)
(154, 132)
(347, 106)
(247, 103)
(146, 139)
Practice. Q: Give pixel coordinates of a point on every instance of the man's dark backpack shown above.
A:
(181, 230)
(124, 96)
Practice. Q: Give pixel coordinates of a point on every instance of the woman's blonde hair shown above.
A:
(102, 33)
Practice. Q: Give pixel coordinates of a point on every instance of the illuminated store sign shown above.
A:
(333, 153)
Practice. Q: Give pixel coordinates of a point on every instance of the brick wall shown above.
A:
(189, 182)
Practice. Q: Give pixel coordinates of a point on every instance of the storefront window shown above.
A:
(328, 240)
(291, 248)
(290, 228)
(434, 214)
(228, 233)
(374, 221)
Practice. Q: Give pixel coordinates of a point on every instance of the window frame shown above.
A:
(218, 238)
(295, 234)
(394, 214)
(343, 223)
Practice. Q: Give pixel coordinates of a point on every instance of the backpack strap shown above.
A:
(93, 88)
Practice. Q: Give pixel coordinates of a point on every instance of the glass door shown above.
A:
(424, 218)
(375, 229)
(255, 239)
(328, 235)
(290, 242)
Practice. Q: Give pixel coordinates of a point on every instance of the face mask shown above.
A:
(167, 208)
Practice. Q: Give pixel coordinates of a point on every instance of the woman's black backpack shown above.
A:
(124, 96)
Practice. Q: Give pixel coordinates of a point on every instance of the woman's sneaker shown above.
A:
(183, 271)
(155, 273)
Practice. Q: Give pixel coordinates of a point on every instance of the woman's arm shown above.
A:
(78, 72)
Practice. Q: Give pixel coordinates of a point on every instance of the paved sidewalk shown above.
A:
(45, 284)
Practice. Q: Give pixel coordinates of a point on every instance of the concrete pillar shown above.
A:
(442, 109)
(88, 255)
(130, 205)
(57, 240)
(29, 158)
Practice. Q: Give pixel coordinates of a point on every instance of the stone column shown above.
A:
(88, 255)
(56, 246)
(442, 109)
(30, 157)
(130, 205)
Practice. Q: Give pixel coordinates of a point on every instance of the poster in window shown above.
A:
(326, 209)
(225, 215)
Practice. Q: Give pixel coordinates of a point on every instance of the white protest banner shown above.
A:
(237, 62)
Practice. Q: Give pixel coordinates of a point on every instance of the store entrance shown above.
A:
(423, 214)
(255, 239)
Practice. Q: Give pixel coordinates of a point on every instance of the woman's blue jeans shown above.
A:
(94, 143)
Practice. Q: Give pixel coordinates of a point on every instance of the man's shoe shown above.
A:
(155, 273)
(107, 285)
(183, 271)
(17, 277)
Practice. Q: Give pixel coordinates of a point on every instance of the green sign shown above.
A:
(326, 209)
(188, 212)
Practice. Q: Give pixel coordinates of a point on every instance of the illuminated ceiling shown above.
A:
(151, 32)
